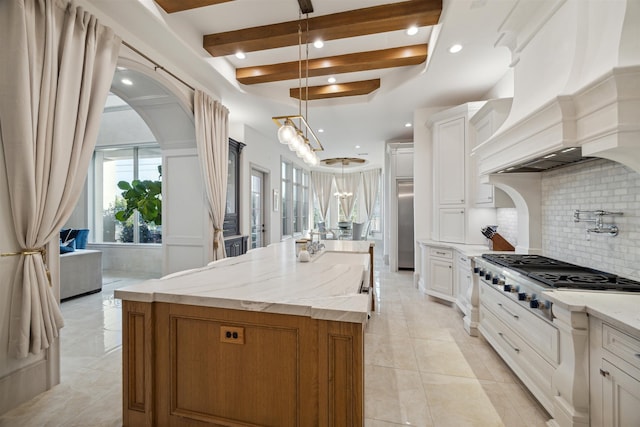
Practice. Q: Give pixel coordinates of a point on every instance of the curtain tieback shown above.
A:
(215, 241)
(33, 251)
(42, 251)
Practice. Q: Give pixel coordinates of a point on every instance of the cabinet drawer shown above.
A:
(534, 371)
(441, 253)
(622, 345)
(463, 262)
(542, 336)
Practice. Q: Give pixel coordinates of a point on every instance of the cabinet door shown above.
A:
(452, 225)
(450, 161)
(441, 276)
(620, 397)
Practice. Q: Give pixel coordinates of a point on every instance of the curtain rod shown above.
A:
(158, 66)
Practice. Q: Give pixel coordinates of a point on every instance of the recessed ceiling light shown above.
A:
(407, 125)
(357, 146)
(318, 44)
(320, 130)
(121, 68)
(126, 82)
(331, 80)
(412, 31)
(240, 55)
(455, 48)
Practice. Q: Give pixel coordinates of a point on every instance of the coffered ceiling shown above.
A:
(383, 75)
(311, 27)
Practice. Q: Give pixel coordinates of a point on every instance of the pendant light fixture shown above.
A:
(343, 194)
(299, 136)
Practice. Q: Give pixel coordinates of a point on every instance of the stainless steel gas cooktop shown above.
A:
(560, 274)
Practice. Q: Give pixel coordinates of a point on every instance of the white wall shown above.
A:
(143, 259)
(593, 185)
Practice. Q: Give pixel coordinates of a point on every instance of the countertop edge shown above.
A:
(620, 310)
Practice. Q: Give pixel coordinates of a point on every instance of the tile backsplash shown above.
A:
(507, 220)
(592, 185)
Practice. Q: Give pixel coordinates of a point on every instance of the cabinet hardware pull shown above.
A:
(516, 349)
(449, 266)
(515, 316)
(441, 253)
(604, 373)
(638, 355)
(463, 259)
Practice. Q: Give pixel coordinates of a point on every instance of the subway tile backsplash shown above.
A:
(507, 220)
(592, 185)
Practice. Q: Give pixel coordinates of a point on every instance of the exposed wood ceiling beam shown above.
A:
(337, 90)
(371, 20)
(362, 61)
(171, 6)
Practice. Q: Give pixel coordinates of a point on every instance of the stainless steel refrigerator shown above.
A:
(405, 224)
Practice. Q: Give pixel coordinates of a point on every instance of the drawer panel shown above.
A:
(441, 253)
(542, 336)
(463, 262)
(534, 371)
(622, 345)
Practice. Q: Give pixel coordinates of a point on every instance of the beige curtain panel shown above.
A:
(370, 187)
(212, 140)
(322, 188)
(56, 67)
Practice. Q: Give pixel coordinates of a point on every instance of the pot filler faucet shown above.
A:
(596, 218)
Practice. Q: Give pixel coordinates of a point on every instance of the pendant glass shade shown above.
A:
(286, 133)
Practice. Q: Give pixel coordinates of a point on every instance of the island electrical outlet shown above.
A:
(232, 334)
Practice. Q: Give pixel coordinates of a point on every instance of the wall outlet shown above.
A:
(232, 334)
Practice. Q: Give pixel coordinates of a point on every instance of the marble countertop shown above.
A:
(619, 309)
(269, 280)
(467, 250)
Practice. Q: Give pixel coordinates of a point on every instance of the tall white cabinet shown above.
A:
(456, 217)
(484, 123)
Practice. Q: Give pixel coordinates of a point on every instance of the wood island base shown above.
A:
(186, 365)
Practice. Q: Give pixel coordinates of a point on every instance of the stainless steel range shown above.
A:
(517, 319)
(524, 277)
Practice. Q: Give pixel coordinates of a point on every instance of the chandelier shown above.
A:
(343, 194)
(295, 130)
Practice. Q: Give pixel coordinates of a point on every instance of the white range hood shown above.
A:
(577, 84)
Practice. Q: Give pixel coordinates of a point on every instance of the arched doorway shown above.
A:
(148, 113)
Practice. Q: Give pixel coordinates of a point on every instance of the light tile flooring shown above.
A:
(421, 368)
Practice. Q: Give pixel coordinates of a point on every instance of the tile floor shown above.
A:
(421, 368)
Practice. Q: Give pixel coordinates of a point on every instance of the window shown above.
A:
(295, 199)
(112, 165)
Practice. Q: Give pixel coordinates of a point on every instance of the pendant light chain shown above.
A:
(306, 83)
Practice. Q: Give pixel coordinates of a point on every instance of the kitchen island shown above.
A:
(259, 339)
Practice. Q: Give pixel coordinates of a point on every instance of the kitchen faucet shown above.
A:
(314, 247)
(600, 226)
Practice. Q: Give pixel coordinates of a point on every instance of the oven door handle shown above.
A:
(515, 316)
(516, 349)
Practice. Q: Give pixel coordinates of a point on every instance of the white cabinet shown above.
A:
(455, 219)
(450, 157)
(437, 272)
(452, 224)
(614, 376)
(484, 123)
